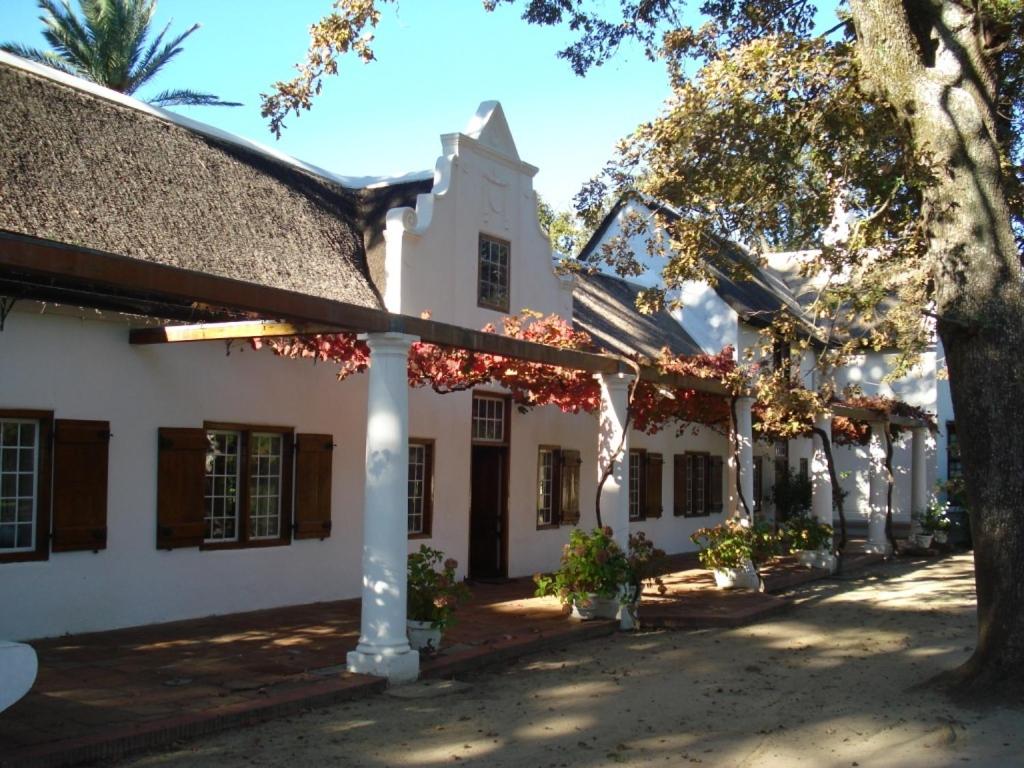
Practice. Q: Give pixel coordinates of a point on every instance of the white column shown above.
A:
(821, 480)
(611, 434)
(878, 491)
(919, 471)
(383, 648)
(744, 436)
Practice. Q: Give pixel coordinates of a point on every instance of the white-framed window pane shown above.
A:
(417, 487)
(489, 419)
(222, 484)
(265, 450)
(545, 486)
(697, 473)
(634, 486)
(19, 467)
(493, 272)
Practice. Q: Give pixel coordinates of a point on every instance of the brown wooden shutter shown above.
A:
(714, 495)
(181, 476)
(313, 464)
(652, 480)
(80, 485)
(679, 484)
(569, 495)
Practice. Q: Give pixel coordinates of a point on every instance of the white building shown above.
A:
(142, 483)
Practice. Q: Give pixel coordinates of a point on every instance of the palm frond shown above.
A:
(47, 58)
(155, 60)
(70, 40)
(189, 98)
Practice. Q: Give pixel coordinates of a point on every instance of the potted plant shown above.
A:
(733, 549)
(433, 595)
(644, 565)
(934, 524)
(589, 576)
(810, 541)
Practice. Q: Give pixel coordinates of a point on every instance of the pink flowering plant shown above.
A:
(433, 590)
(592, 564)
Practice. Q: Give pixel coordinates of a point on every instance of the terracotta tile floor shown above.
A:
(135, 684)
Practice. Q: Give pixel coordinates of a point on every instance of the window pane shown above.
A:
(545, 486)
(265, 484)
(221, 485)
(417, 487)
(18, 448)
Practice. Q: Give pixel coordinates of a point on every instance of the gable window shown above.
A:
(489, 419)
(558, 486)
(697, 484)
(492, 274)
(421, 481)
(19, 484)
(244, 496)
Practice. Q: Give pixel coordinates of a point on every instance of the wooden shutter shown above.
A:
(679, 484)
(313, 464)
(714, 495)
(652, 482)
(181, 476)
(569, 495)
(80, 485)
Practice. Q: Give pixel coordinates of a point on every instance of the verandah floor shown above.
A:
(103, 694)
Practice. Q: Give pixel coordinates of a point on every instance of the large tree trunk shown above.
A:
(927, 58)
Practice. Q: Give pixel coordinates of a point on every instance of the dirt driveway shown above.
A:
(829, 683)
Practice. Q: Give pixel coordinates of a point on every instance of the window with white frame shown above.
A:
(492, 274)
(19, 468)
(546, 459)
(696, 484)
(489, 419)
(635, 504)
(421, 471)
(244, 485)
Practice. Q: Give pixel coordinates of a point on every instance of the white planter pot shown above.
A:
(941, 537)
(923, 540)
(595, 607)
(422, 636)
(817, 558)
(629, 604)
(737, 578)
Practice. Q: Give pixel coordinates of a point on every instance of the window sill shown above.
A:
(258, 544)
(422, 535)
(24, 557)
(549, 526)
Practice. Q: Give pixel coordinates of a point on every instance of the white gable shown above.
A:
(490, 128)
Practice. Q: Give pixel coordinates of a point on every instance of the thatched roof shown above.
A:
(605, 307)
(82, 167)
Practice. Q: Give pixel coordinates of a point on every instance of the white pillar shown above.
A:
(383, 648)
(878, 491)
(611, 434)
(744, 435)
(821, 480)
(919, 471)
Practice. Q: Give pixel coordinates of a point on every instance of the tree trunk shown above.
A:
(930, 64)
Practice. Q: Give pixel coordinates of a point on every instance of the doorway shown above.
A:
(488, 512)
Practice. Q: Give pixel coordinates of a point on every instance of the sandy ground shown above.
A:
(830, 683)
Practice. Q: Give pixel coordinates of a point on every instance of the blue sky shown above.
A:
(437, 60)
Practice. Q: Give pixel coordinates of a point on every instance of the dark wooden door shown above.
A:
(487, 512)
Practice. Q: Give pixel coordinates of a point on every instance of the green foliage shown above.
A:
(935, 517)
(803, 532)
(592, 564)
(791, 495)
(732, 544)
(433, 591)
(563, 227)
(107, 45)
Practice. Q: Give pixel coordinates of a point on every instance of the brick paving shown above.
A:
(101, 695)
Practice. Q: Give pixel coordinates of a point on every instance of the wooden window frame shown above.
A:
(286, 523)
(480, 301)
(428, 489)
(556, 487)
(44, 477)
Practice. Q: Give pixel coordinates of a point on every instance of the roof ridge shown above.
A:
(205, 129)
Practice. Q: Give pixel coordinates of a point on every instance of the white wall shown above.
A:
(481, 187)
